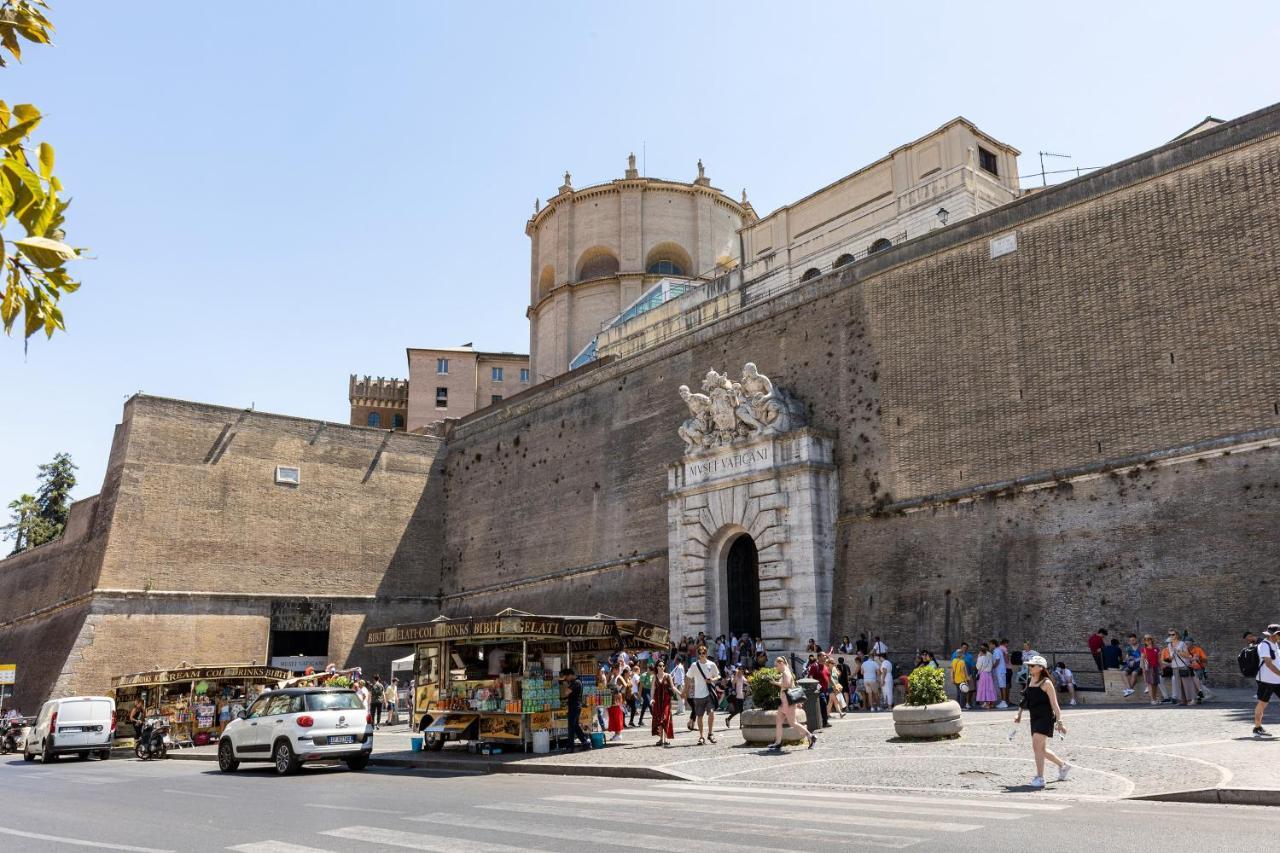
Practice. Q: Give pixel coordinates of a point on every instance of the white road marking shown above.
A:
(350, 808)
(275, 847)
(373, 835)
(79, 842)
(700, 821)
(195, 794)
(598, 836)
(808, 817)
(858, 796)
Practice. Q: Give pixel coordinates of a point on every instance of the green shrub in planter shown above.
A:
(338, 681)
(764, 689)
(924, 686)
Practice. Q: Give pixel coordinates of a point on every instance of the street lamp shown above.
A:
(943, 213)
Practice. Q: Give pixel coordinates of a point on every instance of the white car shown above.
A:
(298, 724)
(84, 725)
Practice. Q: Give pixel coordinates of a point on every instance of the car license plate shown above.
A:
(66, 729)
(343, 739)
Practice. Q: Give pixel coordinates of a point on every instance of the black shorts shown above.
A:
(1042, 726)
(1266, 691)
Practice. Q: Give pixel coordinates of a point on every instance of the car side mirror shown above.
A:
(242, 715)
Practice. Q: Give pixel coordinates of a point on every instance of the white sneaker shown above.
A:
(1128, 691)
(1037, 782)
(1072, 702)
(1063, 771)
(1002, 706)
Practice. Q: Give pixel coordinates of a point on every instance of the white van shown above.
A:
(79, 724)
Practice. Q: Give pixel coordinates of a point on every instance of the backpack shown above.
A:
(375, 692)
(1249, 661)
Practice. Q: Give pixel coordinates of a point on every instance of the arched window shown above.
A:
(546, 280)
(397, 421)
(811, 272)
(597, 262)
(841, 261)
(879, 246)
(664, 267)
(375, 419)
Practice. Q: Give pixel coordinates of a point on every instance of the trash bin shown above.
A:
(415, 743)
(597, 740)
(542, 742)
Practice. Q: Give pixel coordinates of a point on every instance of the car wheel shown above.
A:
(104, 754)
(27, 756)
(435, 742)
(48, 756)
(227, 757)
(84, 756)
(357, 762)
(286, 762)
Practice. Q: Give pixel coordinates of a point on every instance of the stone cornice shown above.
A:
(641, 184)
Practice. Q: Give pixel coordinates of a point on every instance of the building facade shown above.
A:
(378, 402)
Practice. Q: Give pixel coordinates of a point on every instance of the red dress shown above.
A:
(615, 719)
(662, 709)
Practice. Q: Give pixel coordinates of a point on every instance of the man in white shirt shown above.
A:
(879, 648)
(1268, 675)
(886, 682)
(700, 675)
(1000, 659)
(871, 683)
(677, 680)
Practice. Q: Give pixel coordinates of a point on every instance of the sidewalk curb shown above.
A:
(614, 771)
(1223, 796)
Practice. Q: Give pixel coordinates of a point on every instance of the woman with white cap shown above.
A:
(1040, 700)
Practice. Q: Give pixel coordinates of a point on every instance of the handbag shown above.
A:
(714, 691)
(964, 687)
(795, 695)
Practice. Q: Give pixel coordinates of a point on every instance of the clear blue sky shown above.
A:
(279, 194)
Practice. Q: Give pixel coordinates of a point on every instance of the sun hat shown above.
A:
(1036, 660)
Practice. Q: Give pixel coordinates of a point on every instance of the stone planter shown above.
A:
(925, 721)
(758, 728)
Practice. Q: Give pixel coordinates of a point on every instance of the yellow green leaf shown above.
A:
(46, 216)
(45, 253)
(25, 112)
(19, 131)
(46, 160)
(10, 43)
(6, 196)
(4, 114)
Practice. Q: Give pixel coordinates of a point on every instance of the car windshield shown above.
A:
(346, 701)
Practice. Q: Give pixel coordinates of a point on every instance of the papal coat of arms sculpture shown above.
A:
(728, 410)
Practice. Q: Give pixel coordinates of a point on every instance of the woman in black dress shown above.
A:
(1040, 699)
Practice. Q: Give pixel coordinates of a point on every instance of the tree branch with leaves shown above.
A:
(33, 271)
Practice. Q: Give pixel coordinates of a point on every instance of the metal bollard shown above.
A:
(812, 704)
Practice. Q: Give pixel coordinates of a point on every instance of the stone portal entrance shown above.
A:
(742, 586)
(751, 516)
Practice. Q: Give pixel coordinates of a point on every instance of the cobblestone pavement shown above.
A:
(1117, 752)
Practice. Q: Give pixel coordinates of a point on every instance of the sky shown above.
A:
(279, 194)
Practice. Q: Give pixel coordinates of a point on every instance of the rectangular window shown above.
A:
(442, 398)
(987, 160)
(496, 373)
(288, 475)
(495, 398)
(442, 366)
(524, 374)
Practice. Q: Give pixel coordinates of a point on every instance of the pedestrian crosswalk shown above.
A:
(660, 816)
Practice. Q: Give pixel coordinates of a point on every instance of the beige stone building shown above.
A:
(450, 382)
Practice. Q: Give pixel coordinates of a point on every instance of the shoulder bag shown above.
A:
(712, 689)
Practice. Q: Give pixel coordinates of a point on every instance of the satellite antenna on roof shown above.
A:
(1044, 154)
(467, 344)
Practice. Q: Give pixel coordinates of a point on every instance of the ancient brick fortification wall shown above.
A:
(1188, 544)
(191, 539)
(1134, 315)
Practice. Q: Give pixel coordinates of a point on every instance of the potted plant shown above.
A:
(759, 725)
(927, 713)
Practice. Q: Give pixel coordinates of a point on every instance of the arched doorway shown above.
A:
(742, 587)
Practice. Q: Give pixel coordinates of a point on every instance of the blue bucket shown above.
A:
(597, 740)
(415, 743)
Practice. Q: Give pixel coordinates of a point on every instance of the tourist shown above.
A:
(1268, 678)
(1112, 654)
(362, 691)
(835, 691)
(819, 672)
(787, 710)
(1066, 680)
(633, 694)
(573, 709)
(617, 695)
(664, 689)
(960, 675)
(1096, 641)
(986, 682)
(1199, 661)
(1183, 684)
(846, 681)
(138, 717)
(377, 692)
(722, 653)
(700, 678)
(886, 682)
(871, 683)
(812, 648)
(1151, 667)
(846, 646)
(646, 689)
(1041, 702)
(677, 682)
(391, 697)
(861, 646)
(737, 694)
(1000, 670)
(1132, 666)
(925, 659)
(1024, 674)
(879, 648)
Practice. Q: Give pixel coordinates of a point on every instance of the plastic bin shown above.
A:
(597, 740)
(542, 742)
(415, 743)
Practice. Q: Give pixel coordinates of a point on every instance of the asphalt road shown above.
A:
(123, 804)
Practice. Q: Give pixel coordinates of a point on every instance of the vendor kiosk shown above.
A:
(198, 701)
(494, 680)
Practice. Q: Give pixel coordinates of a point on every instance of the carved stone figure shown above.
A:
(730, 410)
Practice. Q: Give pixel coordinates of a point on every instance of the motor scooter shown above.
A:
(11, 735)
(154, 741)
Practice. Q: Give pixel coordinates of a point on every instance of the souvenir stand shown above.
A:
(197, 700)
(494, 680)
